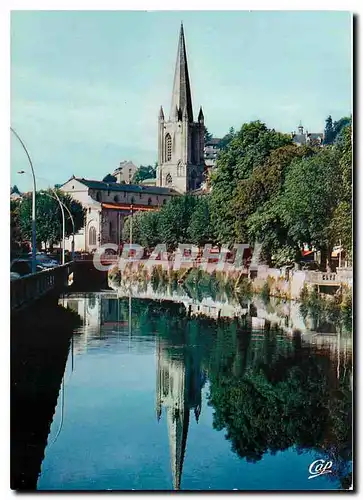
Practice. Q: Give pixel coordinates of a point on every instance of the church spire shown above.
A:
(181, 95)
(161, 114)
(178, 425)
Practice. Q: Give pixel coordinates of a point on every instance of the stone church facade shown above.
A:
(181, 139)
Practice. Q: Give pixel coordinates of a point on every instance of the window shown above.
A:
(164, 202)
(115, 198)
(92, 236)
(169, 180)
(140, 195)
(167, 147)
(132, 200)
(110, 229)
(149, 201)
(98, 196)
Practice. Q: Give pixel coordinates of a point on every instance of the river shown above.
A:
(153, 397)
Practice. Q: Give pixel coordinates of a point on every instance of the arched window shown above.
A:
(169, 180)
(92, 236)
(179, 169)
(167, 147)
(149, 201)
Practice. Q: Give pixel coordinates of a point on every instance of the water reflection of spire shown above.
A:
(179, 383)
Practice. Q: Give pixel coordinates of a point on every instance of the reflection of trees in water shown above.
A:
(326, 315)
(268, 391)
(282, 398)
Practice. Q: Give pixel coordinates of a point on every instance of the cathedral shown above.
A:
(181, 139)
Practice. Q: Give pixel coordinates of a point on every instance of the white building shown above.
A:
(107, 204)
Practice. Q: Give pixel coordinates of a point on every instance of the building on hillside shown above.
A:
(181, 139)
(125, 172)
(107, 204)
(303, 137)
(211, 150)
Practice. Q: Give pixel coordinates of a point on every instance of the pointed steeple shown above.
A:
(181, 95)
(161, 114)
(200, 116)
(185, 114)
(178, 425)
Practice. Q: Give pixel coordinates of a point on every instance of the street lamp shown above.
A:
(64, 225)
(62, 205)
(34, 236)
(72, 219)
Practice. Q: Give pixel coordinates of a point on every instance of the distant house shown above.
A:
(211, 150)
(107, 204)
(303, 137)
(125, 172)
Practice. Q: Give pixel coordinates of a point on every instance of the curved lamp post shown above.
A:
(34, 237)
(63, 205)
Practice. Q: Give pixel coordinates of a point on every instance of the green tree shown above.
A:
(144, 172)
(207, 135)
(200, 227)
(109, 178)
(175, 219)
(49, 217)
(257, 205)
(329, 134)
(342, 221)
(339, 127)
(248, 149)
(227, 139)
(16, 239)
(15, 190)
(136, 231)
(311, 195)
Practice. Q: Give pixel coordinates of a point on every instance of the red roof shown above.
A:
(127, 206)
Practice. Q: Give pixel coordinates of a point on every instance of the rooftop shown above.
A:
(131, 188)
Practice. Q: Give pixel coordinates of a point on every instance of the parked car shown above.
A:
(22, 267)
(44, 261)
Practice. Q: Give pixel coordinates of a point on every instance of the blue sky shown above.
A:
(87, 85)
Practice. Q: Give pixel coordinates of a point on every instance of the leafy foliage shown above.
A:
(109, 178)
(207, 135)
(49, 217)
(144, 172)
(200, 229)
(248, 149)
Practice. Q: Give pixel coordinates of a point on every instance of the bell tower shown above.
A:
(181, 140)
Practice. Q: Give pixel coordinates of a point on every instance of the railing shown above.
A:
(328, 278)
(34, 286)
